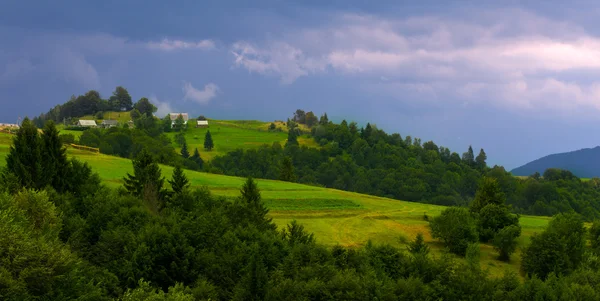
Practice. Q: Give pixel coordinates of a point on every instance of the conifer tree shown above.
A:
(480, 160)
(146, 176)
(287, 170)
(251, 199)
(208, 142)
(24, 159)
(54, 158)
(179, 182)
(469, 157)
(184, 150)
(418, 246)
(196, 158)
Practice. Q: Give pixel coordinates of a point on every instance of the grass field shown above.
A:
(229, 135)
(334, 216)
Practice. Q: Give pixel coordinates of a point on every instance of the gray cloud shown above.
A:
(512, 58)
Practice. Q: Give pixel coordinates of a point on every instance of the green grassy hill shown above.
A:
(336, 217)
(227, 135)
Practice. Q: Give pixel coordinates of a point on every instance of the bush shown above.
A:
(492, 218)
(456, 228)
(505, 241)
(67, 138)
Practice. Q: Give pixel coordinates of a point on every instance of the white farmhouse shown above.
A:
(86, 123)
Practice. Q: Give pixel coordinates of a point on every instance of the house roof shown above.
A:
(175, 115)
(110, 122)
(87, 122)
(202, 122)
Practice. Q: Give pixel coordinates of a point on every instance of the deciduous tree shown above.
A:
(456, 228)
(144, 106)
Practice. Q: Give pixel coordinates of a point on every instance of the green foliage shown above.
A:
(559, 249)
(480, 160)
(184, 150)
(121, 100)
(505, 241)
(67, 138)
(469, 157)
(135, 114)
(251, 207)
(208, 142)
(594, 236)
(272, 127)
(197, 159)
(54, 158)
(287, 170)
(418, 246)
(145, 292)
(144, 107)
(294, 233)
(24, 159)
(456, 228)
(179, 182)
(146, 180)
(492, 218)
(489, 192)
(34, 264)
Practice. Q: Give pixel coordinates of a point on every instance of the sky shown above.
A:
(519, 79)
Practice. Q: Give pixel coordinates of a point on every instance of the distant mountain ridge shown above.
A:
(584, 163)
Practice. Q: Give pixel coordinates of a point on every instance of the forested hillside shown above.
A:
(368, 160)
(346, 157)
(65, 237)
(584, 163)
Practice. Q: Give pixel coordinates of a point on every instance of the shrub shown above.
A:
(505, 241)
(456, 228)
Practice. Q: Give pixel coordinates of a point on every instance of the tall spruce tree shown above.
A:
(24, 159)
(196, 158)
(54, 158)
(184, 150)
(179, 182)
(146, 179)
(208, 142)
(251, 200)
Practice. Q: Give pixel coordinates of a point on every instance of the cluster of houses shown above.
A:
(112, 123)
(9, 125)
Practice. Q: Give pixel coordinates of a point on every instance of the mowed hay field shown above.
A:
(334, 216)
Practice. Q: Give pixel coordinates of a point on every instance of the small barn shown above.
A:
(174, 116)
(109, 123)
(202, 123)
(87, 123)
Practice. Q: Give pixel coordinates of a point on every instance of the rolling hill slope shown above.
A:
(584, 163)
(334, 216)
